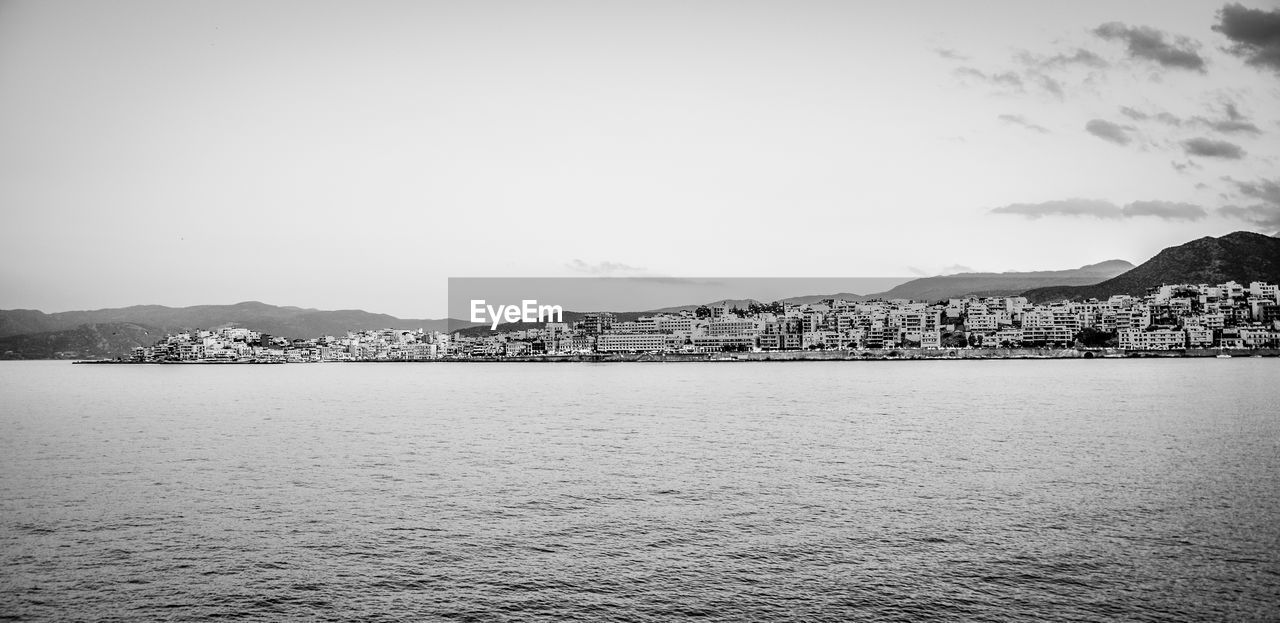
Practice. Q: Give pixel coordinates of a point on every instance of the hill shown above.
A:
(276, 320)
(89, 341)
(925, 289)
(1241, 256)
(1001, 284)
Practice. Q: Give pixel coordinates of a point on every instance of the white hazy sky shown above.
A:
(357, 154)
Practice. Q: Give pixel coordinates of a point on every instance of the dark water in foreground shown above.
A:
(992, 490)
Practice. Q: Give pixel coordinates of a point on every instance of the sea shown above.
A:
(1005, 490)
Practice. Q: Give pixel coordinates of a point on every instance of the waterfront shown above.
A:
(1059, 490)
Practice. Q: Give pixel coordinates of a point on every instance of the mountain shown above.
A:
(1001, 284)
(281, 321)
(739, 303)
(817, 298)
(89, 341)
(1241, 257)
(926, 289)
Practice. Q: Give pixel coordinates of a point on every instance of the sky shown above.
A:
(343, 155)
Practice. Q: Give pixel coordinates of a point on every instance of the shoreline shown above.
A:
(976, 354)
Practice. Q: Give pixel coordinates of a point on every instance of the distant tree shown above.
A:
(702, 312)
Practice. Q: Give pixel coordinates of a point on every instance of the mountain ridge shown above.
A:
(286, 321)
(1240, 256)
(1008, 283)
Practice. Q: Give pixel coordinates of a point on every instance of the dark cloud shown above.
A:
(1183, 167)
(1108, 131)
(1008, 78)
(1229, 126)
(1262, 215)
(1265, 214)
(1022, 121)
(1148, 43)
(1254, 34)
(1167, 210)
(948, 53)
(1234, 123)
(1266, 190)
(1209, 148)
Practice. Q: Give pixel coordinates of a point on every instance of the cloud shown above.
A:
(1008, 78)
(1039, 67)
(1266, 190)
(1108, 131)
(1209, 148)
(1263, 215)
(1167, 210)
(1136, 115)
(1096, 208)
(1233, 123)
(1162, 117)
(950, 54)
(1050, 85)
(1034, 71)
(600, 268)
(1150, 44)
(681, 281)
(946, 270)
(1021, 121)
(1254, 34)
(1229, 126)
(1080, 57)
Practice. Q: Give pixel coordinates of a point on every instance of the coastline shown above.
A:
(973, 354)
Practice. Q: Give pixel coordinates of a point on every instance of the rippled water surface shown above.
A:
(977, 490)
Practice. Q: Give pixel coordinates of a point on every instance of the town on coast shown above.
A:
(1171, 320)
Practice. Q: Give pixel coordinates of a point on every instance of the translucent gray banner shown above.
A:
(522, 301)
